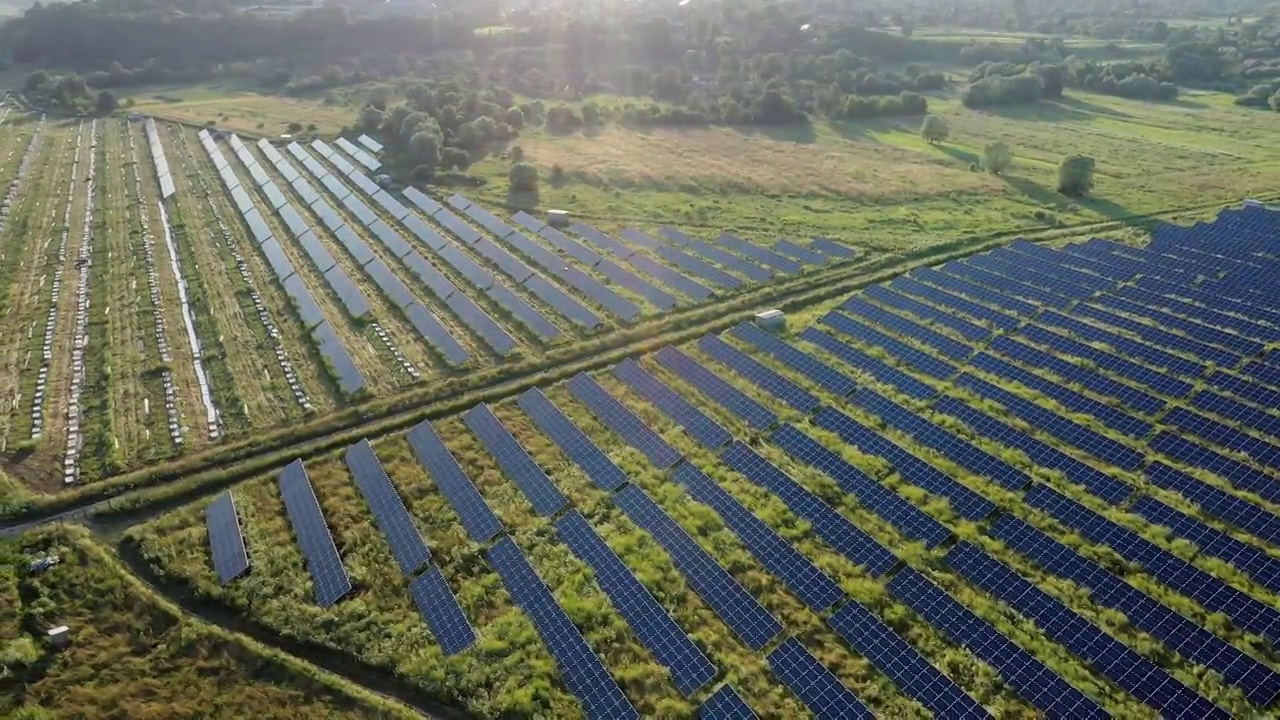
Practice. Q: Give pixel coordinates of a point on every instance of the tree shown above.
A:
(424, 148)
(107, 103)
(517, 153)
(35, 80)
(996, 157)
(381, 96)
(1275, 101)
(295, 127)
(515, 118)
(934, 129)
(1075, 175)
(524, 178)
(371, 118)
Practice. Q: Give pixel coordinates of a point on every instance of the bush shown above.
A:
(934, 129)
(524, 178)
(1075, 175)
(1000, 90)
(517, 153)
(557, 175)
(424, 173)
(996, 157)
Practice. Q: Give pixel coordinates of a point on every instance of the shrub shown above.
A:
(524, 177)
(934, 129)
(996, 157)
(1075, 175)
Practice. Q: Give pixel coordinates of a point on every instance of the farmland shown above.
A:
(1034, 460)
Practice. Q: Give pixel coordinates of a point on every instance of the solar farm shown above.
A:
(1034, 481)
(171, 290)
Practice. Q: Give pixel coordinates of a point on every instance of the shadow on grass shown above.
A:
(1075, 103)
(522, 199)
(1108, 209)
(1189, 104)
(1043, 111)
(796, 132)
(856, 131)
(964, 156)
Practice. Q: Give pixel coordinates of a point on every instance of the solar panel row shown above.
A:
(676, 408)
(866, 311)
(820, 373)
(478, 520)
(1213, 542)
(755, 415)
(387, 508)
(816, 686)
(571, 440)
(345, 372)
(617, 417)
(759, 375)
(515, 462)
(1218, 503)
(328, 577)
(885, 373)
(226, 543)
(439, 608)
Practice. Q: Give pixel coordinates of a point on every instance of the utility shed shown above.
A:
(558, 218)
(772, 320)
(60, 636)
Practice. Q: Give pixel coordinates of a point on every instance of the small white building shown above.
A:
(60, 636)
(558, 218)
(773, 320)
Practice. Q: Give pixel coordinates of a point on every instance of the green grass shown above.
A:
(237, 105)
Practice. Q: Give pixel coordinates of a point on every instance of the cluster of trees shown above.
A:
(69, 93)
(1131, 79)
(1263, 95)
(1008, 83)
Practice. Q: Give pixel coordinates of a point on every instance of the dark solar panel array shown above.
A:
(420, 199)
(704, 271)
(1237, 412)
(425, 234)
(628, 280)
(514, 461)
(349, 379)
(1229, 469)
(690, 669)
(804, 255)
(1159, 336)
(257, 226)
(983, 270)
(488, 221)
(680, 411)
(669, 277)
(874, 367)
(505, 261)
(580, 668)
(562, 302)
(755, 415)
(619, 418)
(439, 608)
(842, 535)
(387, 508)
(764, 257)
(571, 440)
(336, 186)
(226, 543)
(394, 207)
(1213, 542)
(816, 686)
(357, 207)
(896, 658)
(316, 250)
(754, 272)
(725, 704)
(815, 588)
(1218, 503)
(1134, 673)
(758, 374)
(472, 271)
(1121, 345)
(910, 520)
(641, 240)
(1254, 392)
(303, 302)
(280, 264)
(1037, 684)
(908, 355)
(354, 244)
(819, 372)
(1147, 377)
(351, 297)
(864, 310)
(736, 607)
(480, 522)
(329, 579)
(569, 246)
(479, 321)
(441, 286)
(1224, 436)
(1237, 344)
(390, 285)
(435, 333)
(954, 303)
(457, 226)
(967, 503)
(602, 241)
(523, 312)
(952, 282)
(389, 238)
(1128, 395)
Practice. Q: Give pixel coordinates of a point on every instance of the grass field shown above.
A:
(135, 656)
(233, 105)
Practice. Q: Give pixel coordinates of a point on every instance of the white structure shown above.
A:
(60, 636)
(558, 218)
(771, 320)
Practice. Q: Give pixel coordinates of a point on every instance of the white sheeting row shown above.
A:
(80, 337)
(51, 322)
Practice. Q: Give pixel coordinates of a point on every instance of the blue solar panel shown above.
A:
(393, 206)
(294, 221)
(280, 264)
(464, 265)
(523, 312)
(641, 240)
(1237, 412)
(505, 261)
(435, 332)
(328, 216)
(480, 522)
(907, 518)
(874, 367)
(984, 270)
(1037, 684)
(1136, 674)
(389, 238)
(1161, 337)
(907, 355)
(804, 255)
(602, 241)
(736, 607)
(430, 276)
(1215, 318)
(257, 226)
(515, 462)
(1218, 503)
(562, 302)
(1098, 483)
(725, 704)
(336, 186)
(761, 256)
(1141, 374)
(308, 311)
(316, 251)
(1121, 345)
(423, 232)
(676, 408)
(902, 663)
(329, 579)
(1212, 542)
(690, 669)
(1214, 595)
(966, 503)
(617, 417)
(819, 372)
(692, 265)
(953, 303)
(226, 543)
(758, 374)
(539, 254)
(1193, 423)
(599, 293)
(275, 198)
(363, 212)
(345, 372)
(1128, 396)
(358, 248)
(425, 203)
(953, 349)
(1233, 471)
(583, 673)
(571, 440)
(1243, 388)
(569, 246)
(816, 686)
(387, 508)
(457, 226)
(755, 415)
(754, 272)
(479, 321)
(669, 277)
(439, 607)
(351, 297)
(628, 280)
(488, 221)
(827, 523)
(390, 285)
(986, 296)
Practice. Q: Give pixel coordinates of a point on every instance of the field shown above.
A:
(134, 655)
(970, 418)
(239, 107)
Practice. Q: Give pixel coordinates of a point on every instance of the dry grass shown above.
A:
(236, 108)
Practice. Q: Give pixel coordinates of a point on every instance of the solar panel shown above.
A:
(540, 255)
(1035, 683)
(1218, 503)
(420, 199)
(430, 276)
(953, 303)
(335, 186)
(622, 421)
(363, 212)
(344, 166)
(640, 240)
(1233, 471)
(439, 607)
(907, 518)
(257, 226)
(515, 462)
(479, 321)
(389, 238)
(904, 327)
(815, 588)
(393, 206)
(905, 354)
(328, 216)
(387, 507)
(488, 221)
(1119, 344)
(390, 285)
(1225, 436)
(329, 579)
(348, 377)
(758, 374)
(226, 543)
(819, 372)
(902, 663)
(874, 367)
(725, 704)
(315, 250)
(321, 147)
(424, 232)
(1161, 336)
(457, 226)
(669, 277)
(478, 520)
(469, 269)
(755, 415)
(569, 246)
(360, 156)
(744, 615)
(690, 669)
(370, 143)
(756, 273)
(505, 261)
(1212, 542)
(275, 198)
(280, 264)
(358, 248)
(583, 673)
(434, 331)
(831, 526)
(966, 503)
(571, 440)
(1128, 395)
(804, 255)
(1134, 673)
(833, 249)
(351, 297)
(303, 302)
(562, 302)
(676, 408)
(702, 270)
(523, 312)
(293, 221)
(760, 255)
(602, 241)
(628, 280)
(816, 686)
